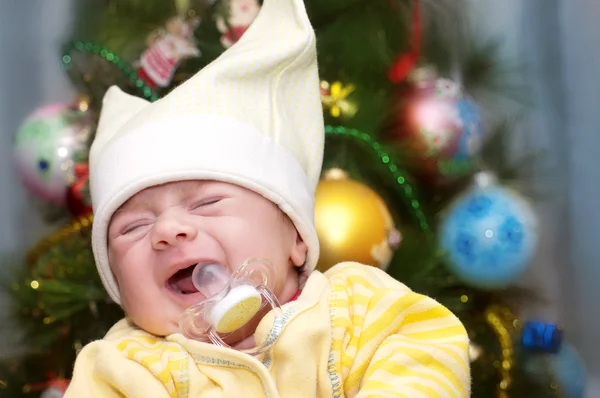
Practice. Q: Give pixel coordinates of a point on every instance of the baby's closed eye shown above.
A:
(205, 203)
(134, 226)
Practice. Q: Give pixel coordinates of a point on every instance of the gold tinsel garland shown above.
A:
(75, 227)
(504, 324)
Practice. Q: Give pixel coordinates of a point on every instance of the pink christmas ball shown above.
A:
(44, 150)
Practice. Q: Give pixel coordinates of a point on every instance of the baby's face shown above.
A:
(157, 237)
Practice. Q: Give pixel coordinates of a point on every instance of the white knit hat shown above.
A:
(253, 118)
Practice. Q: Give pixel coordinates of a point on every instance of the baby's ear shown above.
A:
(299, 251)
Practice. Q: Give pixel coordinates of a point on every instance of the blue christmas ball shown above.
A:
(565, 367)
(569, 371)
(489, 236)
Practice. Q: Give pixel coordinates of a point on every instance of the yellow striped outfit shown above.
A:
(353, 332)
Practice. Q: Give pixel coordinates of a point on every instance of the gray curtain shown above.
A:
(580, 56)
(31, 33)
(556, 41)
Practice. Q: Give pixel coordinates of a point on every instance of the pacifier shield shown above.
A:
(236, 309)
(234, 304)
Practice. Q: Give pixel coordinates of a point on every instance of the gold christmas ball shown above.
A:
(353, 223)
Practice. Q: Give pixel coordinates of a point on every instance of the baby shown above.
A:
(220, 171)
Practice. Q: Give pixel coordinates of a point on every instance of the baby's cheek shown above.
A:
(159, 318)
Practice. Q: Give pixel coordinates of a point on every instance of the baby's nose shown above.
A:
(172, 232)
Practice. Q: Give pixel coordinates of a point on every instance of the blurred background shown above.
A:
(432, 109)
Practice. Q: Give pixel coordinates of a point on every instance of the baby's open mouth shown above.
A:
(181, 281)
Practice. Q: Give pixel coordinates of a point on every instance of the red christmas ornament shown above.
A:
(55, 387)
(429, 119)
(167, 48)
(77, 203)
(235, 18)
(437, 124)
(405, 63)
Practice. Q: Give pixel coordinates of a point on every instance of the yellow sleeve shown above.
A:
(101, 371)
(391, 342)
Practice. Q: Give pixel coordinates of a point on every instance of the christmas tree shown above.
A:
(415, 178)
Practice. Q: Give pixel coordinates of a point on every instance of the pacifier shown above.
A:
(232, 302)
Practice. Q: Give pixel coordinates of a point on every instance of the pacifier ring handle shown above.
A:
(192, 325)
(273, 301)
(258, 269)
